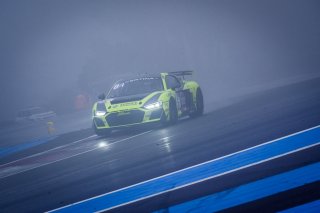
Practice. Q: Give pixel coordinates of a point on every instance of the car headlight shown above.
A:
(100, 113)
(155, 105)
(101, 109)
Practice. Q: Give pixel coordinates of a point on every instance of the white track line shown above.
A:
(214, 176)
(40, 153)
(216, 159)
(77, 154)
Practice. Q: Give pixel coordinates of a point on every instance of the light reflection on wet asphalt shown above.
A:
(76, 148)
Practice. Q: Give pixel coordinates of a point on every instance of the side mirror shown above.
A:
(102, 96)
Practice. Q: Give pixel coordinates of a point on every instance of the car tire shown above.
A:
(164, 120)
(199, 105)
(173, 112)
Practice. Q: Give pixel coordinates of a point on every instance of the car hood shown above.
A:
(128, 102)
(130, 98)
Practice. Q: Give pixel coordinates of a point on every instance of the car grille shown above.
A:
(123, 118)
(156, 114)
(99, 122)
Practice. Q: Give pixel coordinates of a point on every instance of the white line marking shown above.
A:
(76, 154)
(216, 159)
(40, 153)
(212, 177)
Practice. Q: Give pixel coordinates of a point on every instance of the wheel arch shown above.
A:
(192, 86)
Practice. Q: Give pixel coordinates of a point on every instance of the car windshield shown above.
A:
(135, 87)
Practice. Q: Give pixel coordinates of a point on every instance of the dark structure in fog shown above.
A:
(51, 50)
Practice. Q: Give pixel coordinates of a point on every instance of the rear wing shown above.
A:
(181, 74)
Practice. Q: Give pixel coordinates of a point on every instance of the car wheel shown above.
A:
(199, 105)
(173, 115)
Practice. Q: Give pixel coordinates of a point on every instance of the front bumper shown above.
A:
(129, 118)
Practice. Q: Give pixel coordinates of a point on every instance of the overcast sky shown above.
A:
(48, 47)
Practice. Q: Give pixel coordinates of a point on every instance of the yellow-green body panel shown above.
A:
(121, 110)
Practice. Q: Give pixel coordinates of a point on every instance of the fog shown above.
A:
(50, 51)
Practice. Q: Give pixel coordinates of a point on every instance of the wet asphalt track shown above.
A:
(82, 165)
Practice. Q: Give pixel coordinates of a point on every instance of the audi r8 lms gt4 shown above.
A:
(162, 98)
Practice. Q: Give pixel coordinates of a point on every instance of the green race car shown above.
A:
(162, 98)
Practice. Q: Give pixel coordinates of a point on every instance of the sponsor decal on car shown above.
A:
(129, 103)
(123, 113)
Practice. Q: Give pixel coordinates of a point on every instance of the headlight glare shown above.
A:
(155, 105)
(100, 109)
(100, 113)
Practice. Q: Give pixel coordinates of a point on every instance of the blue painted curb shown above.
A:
(250, 192)
(27, 145)
(207, 170)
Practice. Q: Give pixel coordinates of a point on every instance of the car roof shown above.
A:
(155, 75)
(147, 75)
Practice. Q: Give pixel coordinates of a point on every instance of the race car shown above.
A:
(146, 99)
